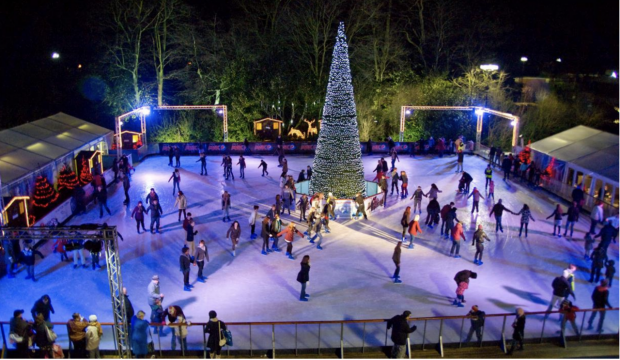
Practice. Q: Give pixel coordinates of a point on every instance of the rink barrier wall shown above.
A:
(372, 328)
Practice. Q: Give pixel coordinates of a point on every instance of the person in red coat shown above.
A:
(414, 229)
(289, 236)
(457, 235)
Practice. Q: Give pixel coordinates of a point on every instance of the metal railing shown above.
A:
(352, 335)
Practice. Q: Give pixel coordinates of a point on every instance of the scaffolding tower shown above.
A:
(108, 235)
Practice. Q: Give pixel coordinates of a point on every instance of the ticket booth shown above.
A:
(15, 212)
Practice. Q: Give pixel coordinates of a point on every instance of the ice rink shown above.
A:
(349, 279)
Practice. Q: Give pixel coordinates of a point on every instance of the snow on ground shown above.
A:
(350, 278)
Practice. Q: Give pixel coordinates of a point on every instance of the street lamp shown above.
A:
(55, 55)
(489, 67)
(558, 60)
(524, 59)
(479, 111)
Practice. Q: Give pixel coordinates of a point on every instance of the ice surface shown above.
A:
(350, 278)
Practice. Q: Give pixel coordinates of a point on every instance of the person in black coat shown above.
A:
(600, 300)
(170, 155)
(477, 323)
(598, 261)
(303, 277)
(43, 306)
(400, 333)
(433, 210)
(519, 328)
(126, 186)
(102, 198)
(156, 212)
(185, 264)
(506, 165)
(214, 328)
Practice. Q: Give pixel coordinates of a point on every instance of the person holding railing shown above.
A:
(214, 328)
(476, 317)
(400, 333)
(518, 333)
(174, 314)
(600, 299)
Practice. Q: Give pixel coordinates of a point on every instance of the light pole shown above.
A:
(142, 112)
(523, 61)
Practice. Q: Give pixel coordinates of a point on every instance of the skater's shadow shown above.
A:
(373, 260)
(283, 283)
(52, 269)
(504, 305)
(533, 297)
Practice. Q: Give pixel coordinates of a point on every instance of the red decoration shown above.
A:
(85, 176)
(524, 155)
(44, 193)
(67, 180)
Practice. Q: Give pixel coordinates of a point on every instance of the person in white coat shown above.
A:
(93, 337)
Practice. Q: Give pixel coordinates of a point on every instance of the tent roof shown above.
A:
(267, 119)
(588, 148)
(28, 147)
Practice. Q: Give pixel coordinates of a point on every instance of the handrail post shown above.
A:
(408, 346)
(250, 340)
(160, 329)
(386, 334)
(504, 335)
(543, 328)
(319, 347)
(424, 334)
(115, 338)
(273, 341)
(563, 335)
(295, 339)
(461, 333)
(70, 344)
(363, 338)
(441, 337)
(342, 340)
(583, 321)
(481, 337)
(204, 341)
(4, 340)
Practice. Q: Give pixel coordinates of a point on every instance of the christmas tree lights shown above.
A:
(337, 165)
(85, 176)
(44, 193)
(67, 180)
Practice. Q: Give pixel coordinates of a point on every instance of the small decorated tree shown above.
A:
(85, 176)
(44, 194)
(67, 180)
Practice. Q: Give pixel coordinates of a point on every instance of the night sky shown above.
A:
(583, 34)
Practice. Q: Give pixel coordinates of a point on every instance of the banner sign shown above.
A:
(268, 148)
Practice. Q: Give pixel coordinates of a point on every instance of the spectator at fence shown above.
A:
(518, 326)
(77, 335)
(476, 316)
(139, 339)
(174, 314)
(400, 333)
(19, 332)
(569, 313)
(214, 328)
(157, 316)
(44, 337)
(153, 290)
(43, 306)
(600, 299)
(93, 337)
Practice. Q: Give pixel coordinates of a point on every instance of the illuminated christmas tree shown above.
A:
(337, 165)
(67, 180)
(44, 193)
(85, 176)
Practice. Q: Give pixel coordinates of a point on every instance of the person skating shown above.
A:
(526, 216)
(569, 314)
(308, 173)
(488, 175)
(379, 170)
(394, 157)
(27, 257)
(252, 222)
(359, 206)
(156, 213)
(287, 200)
(94, 247)
(557, 219)
(177, 156)
(302, 176)
(572, 214)
(400, 334)
(394, 176)
(289, 236)
(126, 186)
(214, 328)
(303, 277)
(152, 195)
(170, 155)
(450, 221)
(203, 163)
(317, 224)
(417, 199)
(200, 254)
(276, 227)
(506, 165)
(518, 333)
(242, 166)
(600, 300)
(181, 204)
(43, 306)
(190, 233)
(606, 234)
(598, 261)
(102, 198)
(226, 205)
(263, 164)
(396, 259)
(331, 205)
(433, 192)
(460, 155)
(476, 318)
(77, 334)
(234, 233)
(578, 196)
(491, 193)
(176, 181)
(414, 229)
(457, 234)
(610, 270)
(498, 210)
(404, 222)
(303, 205)
(185, 264)
(265, 234)
(588, 246)
(596, 216)
(561, 290)
(94, 333)
(443, 215)
(325, 218)
(466, 180)
(478, 239)
(404, 183)
(477, 196)
(462, 282)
